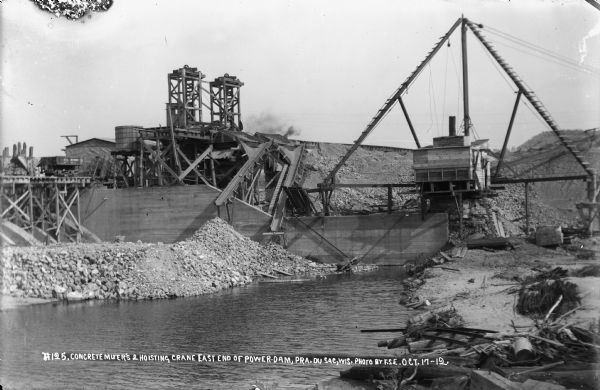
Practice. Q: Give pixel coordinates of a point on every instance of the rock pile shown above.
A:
(216, 257)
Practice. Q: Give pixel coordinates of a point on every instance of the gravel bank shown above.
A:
(216, 257)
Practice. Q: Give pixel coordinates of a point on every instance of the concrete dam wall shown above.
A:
(384, 239)
(173, 213)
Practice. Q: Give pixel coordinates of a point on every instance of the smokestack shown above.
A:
(452, 126)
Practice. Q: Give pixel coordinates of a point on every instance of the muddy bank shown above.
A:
(481, 285)
(521, 317)
(216, 257)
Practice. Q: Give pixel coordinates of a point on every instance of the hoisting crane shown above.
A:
(329, 183)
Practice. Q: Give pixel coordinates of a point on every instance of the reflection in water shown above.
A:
(319, 316)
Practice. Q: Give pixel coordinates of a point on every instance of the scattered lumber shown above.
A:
(445, 256)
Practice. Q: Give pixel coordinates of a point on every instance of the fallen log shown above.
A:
(282, 272)
(267, 275)
(397, 342)
(383, 330)
(491, 243)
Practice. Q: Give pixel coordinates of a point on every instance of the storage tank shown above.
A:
(126, 138)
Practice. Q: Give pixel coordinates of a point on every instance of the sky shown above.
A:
(323, 67)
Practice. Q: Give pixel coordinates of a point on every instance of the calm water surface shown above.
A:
(319, 316)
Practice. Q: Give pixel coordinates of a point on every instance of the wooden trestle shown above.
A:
(46, 207)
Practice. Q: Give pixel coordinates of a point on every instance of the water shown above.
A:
(318, 316)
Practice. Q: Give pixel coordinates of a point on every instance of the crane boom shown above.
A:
(389, 103)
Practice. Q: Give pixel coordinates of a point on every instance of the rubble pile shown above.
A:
(216, 257)
(366, 165)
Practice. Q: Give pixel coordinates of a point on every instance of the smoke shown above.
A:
(583, 44)
(270, 124)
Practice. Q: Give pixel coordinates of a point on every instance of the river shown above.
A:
(322, 316)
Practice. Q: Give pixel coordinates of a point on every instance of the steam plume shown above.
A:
(270, 124)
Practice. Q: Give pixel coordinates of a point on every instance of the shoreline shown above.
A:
(480, 290)
(464, 308)
(215, 258)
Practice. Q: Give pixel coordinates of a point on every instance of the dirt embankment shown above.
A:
(216, 257)
(481, 286)
(366, 165)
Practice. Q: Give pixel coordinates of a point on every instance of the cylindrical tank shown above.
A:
(126, 137)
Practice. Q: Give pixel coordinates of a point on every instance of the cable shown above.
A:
(572, 67)
(458, 83)
(540, 49)
(432, 98)
(445, 83)
(557, 58)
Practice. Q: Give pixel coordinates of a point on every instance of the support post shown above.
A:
(460, 212)
(213, 173)
(410, 125)
(157, 164)
(465, 74)
(30, 190)
(389, 199)
(526, 208)
(79, 215)
(510, 125)
(141, 166)
(57, 213)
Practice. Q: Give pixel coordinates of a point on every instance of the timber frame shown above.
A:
(46, 207)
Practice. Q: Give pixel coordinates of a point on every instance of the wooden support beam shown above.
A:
(15, 205)
(526, 208)
(410, 125)
(192, 165)
(277, 189)
(172, 134)
(510, 125)
(160, 162)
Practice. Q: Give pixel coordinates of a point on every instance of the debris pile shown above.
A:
(555, 352)
(216, 257)
(547, 291)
